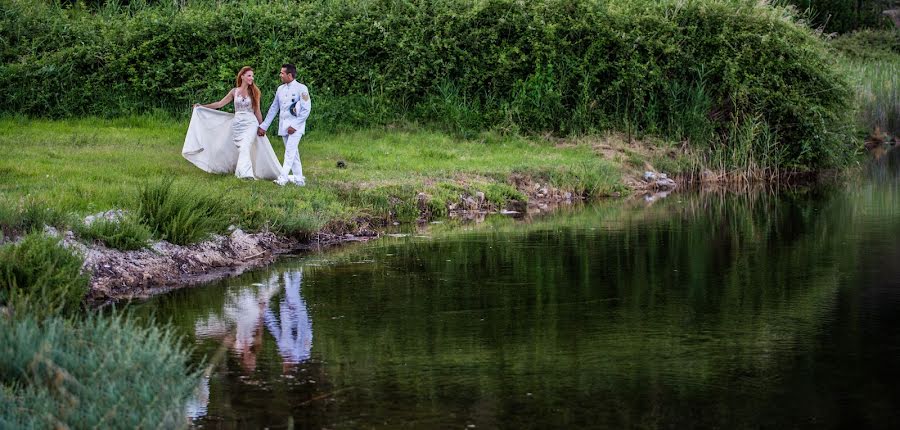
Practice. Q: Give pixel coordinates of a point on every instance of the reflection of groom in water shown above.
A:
(292, 329)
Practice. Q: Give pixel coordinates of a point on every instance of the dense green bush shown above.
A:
(40, 277)
(180, 215)
(561, 66)
(102, 372)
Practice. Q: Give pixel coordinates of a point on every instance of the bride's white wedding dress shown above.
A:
(221, 142)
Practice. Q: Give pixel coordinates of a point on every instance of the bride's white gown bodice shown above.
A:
(242, 104)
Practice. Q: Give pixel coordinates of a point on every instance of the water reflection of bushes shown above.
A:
(650, 310)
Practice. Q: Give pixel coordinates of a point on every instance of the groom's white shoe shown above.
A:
(280, 182)
(298, 181)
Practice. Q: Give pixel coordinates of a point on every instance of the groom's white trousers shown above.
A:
(292, 158)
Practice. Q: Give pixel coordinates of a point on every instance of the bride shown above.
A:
(219, 142)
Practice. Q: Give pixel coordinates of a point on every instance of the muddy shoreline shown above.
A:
(127, 275)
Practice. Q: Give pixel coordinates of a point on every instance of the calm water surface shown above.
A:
(766, 309)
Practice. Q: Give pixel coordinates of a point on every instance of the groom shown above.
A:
(292, 101)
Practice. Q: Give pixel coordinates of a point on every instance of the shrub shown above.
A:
(180, 215)
(40, 277)
(102, 372)
(125, 233)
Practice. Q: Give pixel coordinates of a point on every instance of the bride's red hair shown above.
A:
(254, 90)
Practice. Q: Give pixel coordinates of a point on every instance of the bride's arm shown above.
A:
(225, 100)
(257, 111)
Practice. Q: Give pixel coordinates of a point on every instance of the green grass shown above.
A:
(28, 214)
(90, 165)
(180, 214)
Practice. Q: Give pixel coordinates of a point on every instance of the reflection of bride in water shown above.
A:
(247, 314)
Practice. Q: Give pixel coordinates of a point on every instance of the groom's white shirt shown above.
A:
(284, 96)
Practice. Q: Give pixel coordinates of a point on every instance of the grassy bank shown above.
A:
(91, 165)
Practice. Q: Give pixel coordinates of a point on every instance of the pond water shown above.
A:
(703, 309)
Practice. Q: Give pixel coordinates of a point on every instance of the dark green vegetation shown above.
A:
(846, 15)
(40, 277)
(871, 59)
(869, 44)
(725, 75)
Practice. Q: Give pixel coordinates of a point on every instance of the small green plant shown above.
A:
(499, 194)
(39, 277)
(29, 215)
(587, 180)
(300, 225)
(179, 215)
(125, 233)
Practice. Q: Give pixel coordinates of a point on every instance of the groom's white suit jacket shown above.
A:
(284, 97)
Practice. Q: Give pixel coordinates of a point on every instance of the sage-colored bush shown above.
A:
(99, 372)
(560, 66)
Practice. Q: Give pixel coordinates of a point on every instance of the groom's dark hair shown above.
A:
(288, 67)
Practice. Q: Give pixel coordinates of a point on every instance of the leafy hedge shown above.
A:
(696, 70)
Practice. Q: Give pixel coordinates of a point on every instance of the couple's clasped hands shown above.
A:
(261, 132)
